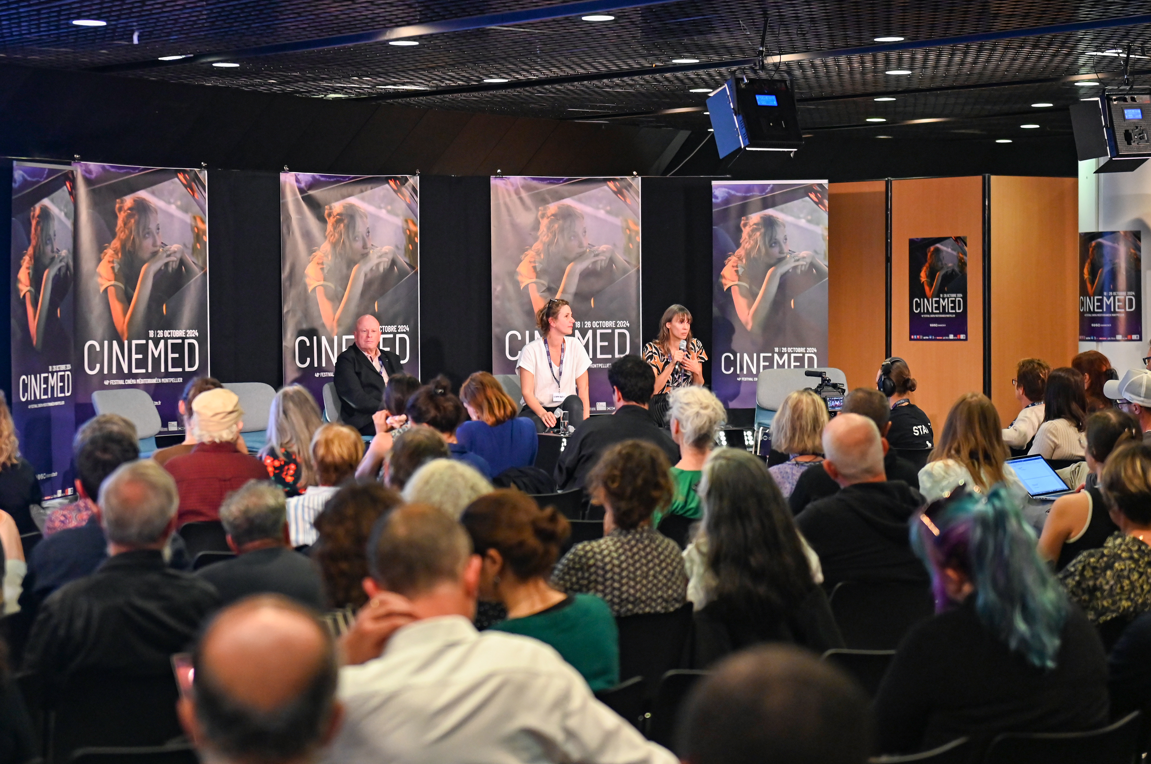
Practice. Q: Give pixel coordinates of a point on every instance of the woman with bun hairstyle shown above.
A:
(553, 370)
(1061, 435)
(495, 432)
(910, 434)
(519, 543)
(434, 405)
(970, 452)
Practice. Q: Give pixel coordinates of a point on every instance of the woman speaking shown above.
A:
(675, 356)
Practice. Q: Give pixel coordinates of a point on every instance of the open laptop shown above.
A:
(1036, 475)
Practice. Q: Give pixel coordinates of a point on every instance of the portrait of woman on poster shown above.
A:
(348, 270)
(938, 276)
(1111, 267)
(44, 278)
(138, 271)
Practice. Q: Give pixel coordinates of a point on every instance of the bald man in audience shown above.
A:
(264, 686)
(861, 532)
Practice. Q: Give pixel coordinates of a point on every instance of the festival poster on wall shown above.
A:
(769, 277)
(40, 272)
(141, 283)
(581, 234)
(938, 288)
(1110, 286)
(349, 246)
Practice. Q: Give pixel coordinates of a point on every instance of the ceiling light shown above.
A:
(89, 23)
(707, 112)
(172, 58)
(403, 43)
(401, 87)
(495, 80)
(1041, 105)
(1003, 140)
(889, 39)
(883, 136)
(711, 130)
(335, 95)
(1029, 127)
(224, 65)
(884, 99)
(898, 71)
(1086, 84)
(876, 119)
(700, 90)
(685, 60)
(1114, 50)
(598, 17)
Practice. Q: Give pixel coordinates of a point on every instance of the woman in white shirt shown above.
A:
(970, 451)
(1030, 384)
(553, 370)
(1062, 436)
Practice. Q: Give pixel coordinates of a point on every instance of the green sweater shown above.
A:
(686, 500)
(582, 630)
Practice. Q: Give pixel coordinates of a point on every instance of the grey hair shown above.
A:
(137, 503)
(226, 435)
(102, 423)
(447, 484)
(699, 413)
(254, 512)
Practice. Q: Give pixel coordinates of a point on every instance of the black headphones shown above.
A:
(886, 384)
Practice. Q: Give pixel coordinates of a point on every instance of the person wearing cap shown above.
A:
(1132, 394)
(214, 468)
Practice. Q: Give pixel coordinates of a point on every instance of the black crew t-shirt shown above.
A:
(910, 429)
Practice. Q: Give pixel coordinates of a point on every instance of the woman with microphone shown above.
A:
(675, 356)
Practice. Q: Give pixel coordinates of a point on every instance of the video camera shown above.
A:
(832, 393)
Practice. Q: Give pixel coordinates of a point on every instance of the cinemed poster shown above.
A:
(350, 246)
(769, 277)
(938, 288)
(1110, 286)
(577, 239)
(141, 268)
(40, 272)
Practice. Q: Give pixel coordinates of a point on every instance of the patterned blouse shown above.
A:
(285, 472)
(1112, 582)
(635, 572)
(68, 516)
(681, 377)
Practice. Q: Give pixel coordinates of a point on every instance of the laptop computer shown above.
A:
(1037, 477)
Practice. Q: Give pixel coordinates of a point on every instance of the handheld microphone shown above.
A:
(682, 345)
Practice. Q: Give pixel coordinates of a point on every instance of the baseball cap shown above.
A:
(216, 410)
(1135, 386)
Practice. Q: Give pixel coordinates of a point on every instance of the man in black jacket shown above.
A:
(632, 383)
(361, 373)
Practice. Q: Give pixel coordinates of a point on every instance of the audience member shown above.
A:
(1132, 394)
(446, 484)
(1095, 368)
(418, 446)
(113, 449)
(214, 468)
(795, 432)
(248, 704)
(344, 527)
(15, 566)
(195, 386)
(293, 420)
(335, 451)
(775, 703)
(361, 373)
(435, 406)
(1006, 651)
(1081, 521)
(399, 390)
(1129, 669)
(1030, 384)
(817, 484)
(634, 568)
(860, 533)
(495, 433)
(759, 586)
(911, 434)
(695, 415)
(1064, 416)
(103, 423)
(970, 452)
(519, 543)
(20, 494)
(256, 522)
(133, 612)
(632, 382)
(420, 660)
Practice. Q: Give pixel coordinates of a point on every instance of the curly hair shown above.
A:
(345, 220)
(1126, 481)
(344, 527)
(527, 537)
(134, 215)
(633, 479)
(9, 442)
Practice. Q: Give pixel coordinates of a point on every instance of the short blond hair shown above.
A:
(336, 452)
(798, 425)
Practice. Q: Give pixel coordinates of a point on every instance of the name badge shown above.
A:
(558, 397)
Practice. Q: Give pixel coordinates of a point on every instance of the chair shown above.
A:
(548, 455)
(673, 689)
(626, 699)
(511, 385)
(583, 530)
(32, 691)
(174, 754)
(956, 752)
(331, 403)
(28, 542)
(867, 666)
(875, 616)
(653, 644)
(1116, 744)
(677, 528)
(531, 480)
(256, 403)
(204, 536)
(136, 406)
(570, 503)
(204, 559)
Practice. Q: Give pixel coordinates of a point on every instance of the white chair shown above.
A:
(331, 403)
(256, 403)
(511, 385)
(136, 406)
(773, 385)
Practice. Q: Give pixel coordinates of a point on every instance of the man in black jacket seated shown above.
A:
(861, 532)
(816, 484)
(361, 373)
(632, 384)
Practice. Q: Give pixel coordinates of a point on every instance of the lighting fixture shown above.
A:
(1003, 140)
(876, 119)
(700, 90)
(883, 136)
(335, 95)
(89, 23)
(884, 99)
(598, 17)
(707, 112)
(1086, 84)
(685, 60)
(401, 87)
(1029, 127)
(403, 43)
(898, 71)
(495, 80)
(172, 58)
(1041, 105)
(889, 39)
(225, 65)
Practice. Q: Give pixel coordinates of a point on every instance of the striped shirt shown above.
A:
(302, 513)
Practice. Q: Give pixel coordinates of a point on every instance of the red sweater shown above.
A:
(208, 474)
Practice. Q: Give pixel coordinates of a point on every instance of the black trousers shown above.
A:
(572, 404)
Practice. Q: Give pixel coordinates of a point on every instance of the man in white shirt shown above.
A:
(1030, 383)
(439, 691)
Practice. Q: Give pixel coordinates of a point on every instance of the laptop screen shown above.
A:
(1036, 475)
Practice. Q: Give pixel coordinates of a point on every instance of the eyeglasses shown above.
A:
(1015, 383)
(1147, 360)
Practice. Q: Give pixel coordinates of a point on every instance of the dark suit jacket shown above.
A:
(278, 571)
(598, 433)
(360, 386)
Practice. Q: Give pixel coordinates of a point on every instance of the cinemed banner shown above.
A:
(577, 239)
(1110, 286)
(350, 246)
(938, 288)
(769, 276)
(40, 272)
(141, 283)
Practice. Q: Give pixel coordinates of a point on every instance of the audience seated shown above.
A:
(1081, 521)
(435, 406)
(195, 386)
(250, 704)
(1095, 368)
(817, 484)
(860, 533)
(970, 451)
(776, 703)
(1006, 652)
(795, 432)
(15, 566)
(422, 685)
(418, 446)
(78, 513)
(214, 468)
(911, 433)
(1129, 669)
(1064, 416)
(256, 522)
(519, 543)
(446, 484)
(133, 612)
(759, 586)
(1132, 394)
(1030, 385)
(399, 390)
(632, 382)
(694, 415)
(495, 433)
(336, 449)
(634, 568)
(20, 494)
(293, 420)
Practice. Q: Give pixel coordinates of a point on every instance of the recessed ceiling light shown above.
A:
(495, 80)
(885, 98)
(700, 90)
(89, 23)
(598, 17)
(883, 136)
(224, 65)
(685, 60)
(1003, 140)
(898, 71)
(1041, 105)
(1086, 84)
(889, 39)
(1029, 127)
(172, 58)
(272, 81)
(876, 119)
(403, 43)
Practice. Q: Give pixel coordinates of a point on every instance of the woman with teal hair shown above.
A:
(1006, 651)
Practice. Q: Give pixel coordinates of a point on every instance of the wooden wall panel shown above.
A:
(856, 250)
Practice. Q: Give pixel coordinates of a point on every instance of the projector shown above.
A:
(755, 115)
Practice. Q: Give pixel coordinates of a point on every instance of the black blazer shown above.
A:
(360, 386)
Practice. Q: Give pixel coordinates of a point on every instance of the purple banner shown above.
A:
(1110, 286)
(938, 288)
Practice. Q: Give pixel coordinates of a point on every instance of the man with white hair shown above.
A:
(361, 373)
(214, 468)
(861, 532)
(133, 612)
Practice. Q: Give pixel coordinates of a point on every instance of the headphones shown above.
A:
(886, 384)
